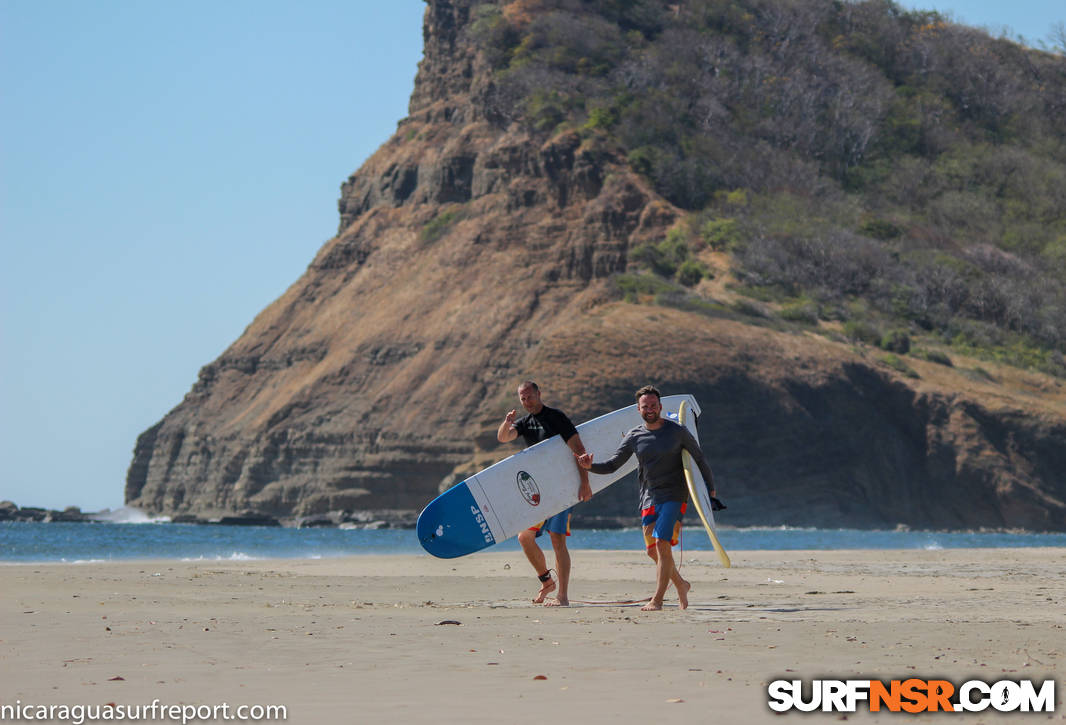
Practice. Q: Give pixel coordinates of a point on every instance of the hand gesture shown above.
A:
(509, 418)
(585, 461)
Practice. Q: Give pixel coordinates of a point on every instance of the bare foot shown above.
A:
(652, 606)
(682, 593)
(547, 588)
(557, 602)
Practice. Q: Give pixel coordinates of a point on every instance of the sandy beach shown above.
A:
(365, 639)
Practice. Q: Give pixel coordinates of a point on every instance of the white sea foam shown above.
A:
(129, 515)
(235, 556)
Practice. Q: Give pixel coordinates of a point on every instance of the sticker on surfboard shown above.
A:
(527, 486)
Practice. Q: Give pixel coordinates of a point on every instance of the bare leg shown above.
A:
(528, 540)
(562, 569)
(666, 559)
(666, 572)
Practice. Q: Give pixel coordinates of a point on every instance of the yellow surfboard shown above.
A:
(697, 489)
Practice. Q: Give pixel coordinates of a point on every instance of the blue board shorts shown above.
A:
(666, 517)
(557, 524)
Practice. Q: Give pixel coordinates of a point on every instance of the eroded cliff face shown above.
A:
(472, 255)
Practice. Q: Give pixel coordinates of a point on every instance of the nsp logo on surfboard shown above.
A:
(911, 696)
(528, 488)
(479, 519)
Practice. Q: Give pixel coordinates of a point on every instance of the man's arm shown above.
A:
(506, 432)
(584, 491)
(609, 466)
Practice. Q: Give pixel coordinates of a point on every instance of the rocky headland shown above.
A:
(473, 253)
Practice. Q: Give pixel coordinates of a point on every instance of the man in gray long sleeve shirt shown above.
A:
(663, 493)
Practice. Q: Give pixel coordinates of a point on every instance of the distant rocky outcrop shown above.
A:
(9, 511)
(473, 254)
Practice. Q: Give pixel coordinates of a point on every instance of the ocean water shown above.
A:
(84, 543)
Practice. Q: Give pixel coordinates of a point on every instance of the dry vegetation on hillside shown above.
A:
(872, 171)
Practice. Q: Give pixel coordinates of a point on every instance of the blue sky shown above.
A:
(1031, 19)
(166, 171)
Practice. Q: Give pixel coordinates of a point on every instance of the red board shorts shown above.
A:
(667, 519)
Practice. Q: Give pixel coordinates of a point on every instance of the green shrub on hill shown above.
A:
(638, 287)
(439, 225)
(691, 272)
(896, 363)
(935, 357)
(803, 310)
(722, 235)
(896, 341)
(665, 257)
(670, 258)
(862, 331)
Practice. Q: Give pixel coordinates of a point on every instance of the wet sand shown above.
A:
(421, 640)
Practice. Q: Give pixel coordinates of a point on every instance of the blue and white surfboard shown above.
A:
(526, 488)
